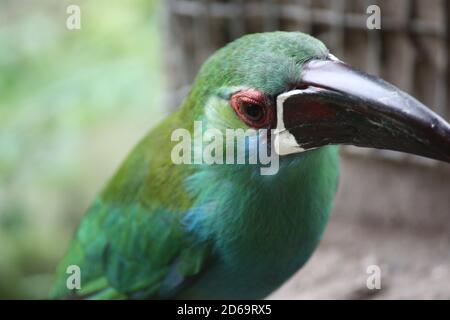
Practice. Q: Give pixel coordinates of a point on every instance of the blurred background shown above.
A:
(74, 102)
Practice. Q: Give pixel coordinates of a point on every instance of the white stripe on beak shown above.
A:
(284, 141)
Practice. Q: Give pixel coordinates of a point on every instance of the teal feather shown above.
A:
(277, 223)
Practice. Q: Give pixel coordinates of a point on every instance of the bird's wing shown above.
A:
(129, 252)
(132, 242)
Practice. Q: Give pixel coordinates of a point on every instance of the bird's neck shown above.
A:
(248, 216)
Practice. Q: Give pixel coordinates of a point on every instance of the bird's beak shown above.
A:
(340, 105)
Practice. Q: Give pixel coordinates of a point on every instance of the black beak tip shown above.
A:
(346, 106)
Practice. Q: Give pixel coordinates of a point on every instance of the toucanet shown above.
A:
(163, 230)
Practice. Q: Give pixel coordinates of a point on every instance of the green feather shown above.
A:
(160, 230)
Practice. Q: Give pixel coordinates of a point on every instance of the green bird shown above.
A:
(161, 230)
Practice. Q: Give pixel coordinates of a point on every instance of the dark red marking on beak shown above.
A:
(342, 105)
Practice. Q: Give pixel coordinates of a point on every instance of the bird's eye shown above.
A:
(251, 107)
(254, 112)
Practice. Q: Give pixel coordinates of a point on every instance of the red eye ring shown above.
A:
(252, 107)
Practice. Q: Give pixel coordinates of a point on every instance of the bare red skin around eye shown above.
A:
(252, 96)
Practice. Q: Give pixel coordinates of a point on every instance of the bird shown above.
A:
(164, 230)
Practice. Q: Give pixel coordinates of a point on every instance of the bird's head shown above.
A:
(289, 82)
